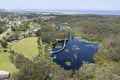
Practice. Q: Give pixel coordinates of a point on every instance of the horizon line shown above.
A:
(63, 9)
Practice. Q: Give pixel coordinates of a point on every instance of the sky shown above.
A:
(61, 4)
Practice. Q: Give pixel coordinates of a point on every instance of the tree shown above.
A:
(38, 69)
(25, 26)
(20, 61)
(95, 72)
(1, 29)
(4, 44)
(11, 56)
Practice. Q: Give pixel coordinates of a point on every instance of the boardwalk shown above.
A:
(61, 48)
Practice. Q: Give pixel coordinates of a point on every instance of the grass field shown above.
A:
(27, 46)
(5, 63)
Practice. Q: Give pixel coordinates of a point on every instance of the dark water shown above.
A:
(76, 51)
(63, 28)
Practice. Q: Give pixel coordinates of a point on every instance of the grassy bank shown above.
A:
(91, 39)
(5, 63)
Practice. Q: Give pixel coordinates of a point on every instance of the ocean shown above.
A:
(101, 12)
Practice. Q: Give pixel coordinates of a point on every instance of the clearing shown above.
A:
(27, 46)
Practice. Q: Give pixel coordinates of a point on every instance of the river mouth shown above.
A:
(75, 53)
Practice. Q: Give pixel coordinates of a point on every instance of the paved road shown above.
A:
(5, 33)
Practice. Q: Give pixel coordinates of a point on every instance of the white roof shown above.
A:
(4, 74)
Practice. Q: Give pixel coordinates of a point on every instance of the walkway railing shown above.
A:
(64, 45)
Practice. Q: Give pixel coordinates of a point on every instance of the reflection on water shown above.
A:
(76, 51)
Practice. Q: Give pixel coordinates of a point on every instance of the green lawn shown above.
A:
(27, 46)
(5, 63)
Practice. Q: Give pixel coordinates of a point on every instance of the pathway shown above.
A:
(61, 48)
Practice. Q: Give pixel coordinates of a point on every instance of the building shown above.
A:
(4, 75)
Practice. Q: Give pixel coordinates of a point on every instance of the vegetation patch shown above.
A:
(75, 56)
(68, 63)
(58, 46)
(66, 50)
(91, 39)
(54, 57)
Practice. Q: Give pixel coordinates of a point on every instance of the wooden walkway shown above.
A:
(61, 48)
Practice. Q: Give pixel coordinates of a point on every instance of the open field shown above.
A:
(27, 46)
(5, 63)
